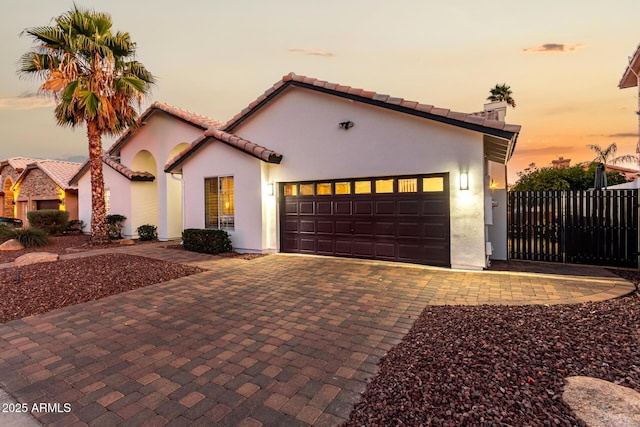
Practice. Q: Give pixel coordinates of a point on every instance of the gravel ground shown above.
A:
(501, 365)
(46, 286)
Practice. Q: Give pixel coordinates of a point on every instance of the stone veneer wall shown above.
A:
(38, 186)
(12, 174)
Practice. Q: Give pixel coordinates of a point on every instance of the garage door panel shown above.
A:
(325, 226)
(408, 207)
(306, 208)
(307, 245)
(363, 228)
(363, 249)
(342, 207)
(409, 226)
(385, 229)
(343, 227)
(307, 226)
(323, 208)
(343, 247)
(325, 247)
(361, 207)
(385, 250)
(385, 207)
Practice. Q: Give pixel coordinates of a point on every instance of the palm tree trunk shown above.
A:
(99, 230)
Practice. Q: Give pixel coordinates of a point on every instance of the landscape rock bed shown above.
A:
(501, 365)
(46, 286)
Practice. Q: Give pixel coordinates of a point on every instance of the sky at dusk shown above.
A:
(562, 59)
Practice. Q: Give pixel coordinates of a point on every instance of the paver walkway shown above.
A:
(275, 341)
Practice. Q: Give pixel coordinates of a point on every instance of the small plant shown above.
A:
(206, 241)
(76, 226)
(52, 221)
(7, 232)
(115, 224)
(31, 237)
(147, 232)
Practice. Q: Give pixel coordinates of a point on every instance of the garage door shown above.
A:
(402, 218)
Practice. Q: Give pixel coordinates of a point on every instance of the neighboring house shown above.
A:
(32, 184)
(319, 168)
(10, 170)
(135, 183)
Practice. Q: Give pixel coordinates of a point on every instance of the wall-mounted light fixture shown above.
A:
(464, 180)
(13, 202)
(493, 184)
(60, 201)
(346, 125)
(270, 189)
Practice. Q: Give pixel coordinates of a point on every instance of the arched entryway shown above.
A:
(144, 194)
(8, 207)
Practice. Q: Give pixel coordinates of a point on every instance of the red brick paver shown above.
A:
(279, 340)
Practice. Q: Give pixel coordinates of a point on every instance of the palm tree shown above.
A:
(607, 156)
(502, 93)
(94, 78)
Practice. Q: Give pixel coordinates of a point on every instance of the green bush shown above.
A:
(7, 232)
(75, 226)
(147, 232)
(31, 237)
(51, 221)
(115, 224)
(206, 241)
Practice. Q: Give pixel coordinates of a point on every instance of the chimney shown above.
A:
(561, 163)
(496, 110)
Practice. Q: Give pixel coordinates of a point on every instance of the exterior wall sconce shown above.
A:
(464, 180)
(493, 184)
(13, 202)
(346, 125)
(60, 201)
(270, 189)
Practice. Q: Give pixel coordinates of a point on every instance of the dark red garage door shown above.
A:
(402, 218)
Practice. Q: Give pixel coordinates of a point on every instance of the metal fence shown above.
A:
(597, 227)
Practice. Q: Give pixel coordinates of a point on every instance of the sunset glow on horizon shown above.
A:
(562, 60)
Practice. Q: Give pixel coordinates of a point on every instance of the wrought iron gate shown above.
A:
(582, 227)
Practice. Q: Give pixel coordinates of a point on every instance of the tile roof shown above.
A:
(59, 171)
(242, 144)
(111, 159)
(18, 163)
(483, 120)
(197, 120)
(114, 163)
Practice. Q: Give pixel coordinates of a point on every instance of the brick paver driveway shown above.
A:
(276, 341)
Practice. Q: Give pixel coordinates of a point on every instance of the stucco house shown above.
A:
(135, 183)
(320, 168)
(33, 184)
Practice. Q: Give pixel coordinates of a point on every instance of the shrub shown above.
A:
(76, 226)
(51, 221)
(7, 232)
(206, 241)
(31, 237)
(115, 224)
(147, 232)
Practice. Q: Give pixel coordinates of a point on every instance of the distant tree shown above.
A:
(92, 74)
(607, 156)
(573, 178)
(502, 93)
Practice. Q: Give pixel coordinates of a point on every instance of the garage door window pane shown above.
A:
(434, 184)
(363, 187)
(306, 189)
(323, 188)
(343, 188)
(290, 190)
(409, 185)
(384, 186)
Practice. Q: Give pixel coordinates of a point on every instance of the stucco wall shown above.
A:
(120, 200)
(218, 159)
(303, 126)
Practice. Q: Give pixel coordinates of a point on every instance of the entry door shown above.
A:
(401, 218)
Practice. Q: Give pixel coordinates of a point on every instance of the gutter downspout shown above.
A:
(184, 207)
